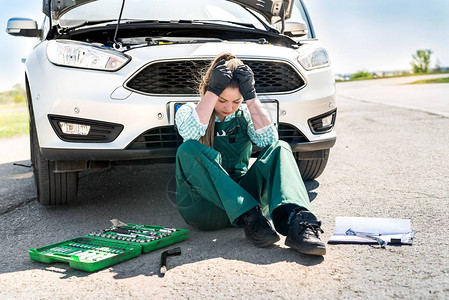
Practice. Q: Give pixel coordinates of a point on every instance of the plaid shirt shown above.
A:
(190, 127)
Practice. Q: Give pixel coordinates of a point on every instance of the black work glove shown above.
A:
(245, 77)
(221, 76)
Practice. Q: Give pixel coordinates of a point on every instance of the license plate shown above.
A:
(272, 108)
(177, 106)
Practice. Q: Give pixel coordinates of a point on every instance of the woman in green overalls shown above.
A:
(214, 186)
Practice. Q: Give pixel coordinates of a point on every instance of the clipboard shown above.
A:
(393, 231)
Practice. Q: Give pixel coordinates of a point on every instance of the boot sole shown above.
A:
(310, 250)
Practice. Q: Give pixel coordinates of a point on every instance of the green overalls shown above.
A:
(214, 186)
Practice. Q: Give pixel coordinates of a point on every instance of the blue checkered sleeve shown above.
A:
(263, 136)
(189, 127)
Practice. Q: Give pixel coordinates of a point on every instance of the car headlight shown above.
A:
(82, 55)
(313, 57)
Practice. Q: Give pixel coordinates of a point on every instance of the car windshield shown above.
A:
(162, 10)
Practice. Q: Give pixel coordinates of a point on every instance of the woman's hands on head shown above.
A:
(220, 78)
(245, 77)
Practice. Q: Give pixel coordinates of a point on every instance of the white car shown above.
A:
(106, 77)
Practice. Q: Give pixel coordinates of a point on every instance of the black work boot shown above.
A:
(257, 228)
(303, 234)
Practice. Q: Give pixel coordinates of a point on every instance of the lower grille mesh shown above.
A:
(168, 137)
(157, 138)
(290, 134)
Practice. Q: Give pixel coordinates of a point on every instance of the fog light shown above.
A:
(326, 121)
(71, 128)
(323, 123)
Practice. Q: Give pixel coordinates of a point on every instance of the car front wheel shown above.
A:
(312, 164)
(52, 188)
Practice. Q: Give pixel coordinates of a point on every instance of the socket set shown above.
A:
(104, 248)
(147, 236)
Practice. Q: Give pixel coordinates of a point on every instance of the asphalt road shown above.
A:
(390, 160)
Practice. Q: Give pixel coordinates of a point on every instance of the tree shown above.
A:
(421, 61)
(15, 95)
(361, 75)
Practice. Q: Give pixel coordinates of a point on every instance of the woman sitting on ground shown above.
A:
(214, 186)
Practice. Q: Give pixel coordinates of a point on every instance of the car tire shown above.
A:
(51, 188)
(312, 164)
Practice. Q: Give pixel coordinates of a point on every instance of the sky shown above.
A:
(369, 35)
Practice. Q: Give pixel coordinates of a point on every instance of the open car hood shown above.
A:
(270, 9)
(56, 8)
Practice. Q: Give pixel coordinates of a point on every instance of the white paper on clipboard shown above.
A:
(393, 231)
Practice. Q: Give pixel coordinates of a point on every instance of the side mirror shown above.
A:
(293, 27)
(23, 27)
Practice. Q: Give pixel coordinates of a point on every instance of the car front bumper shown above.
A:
(162, 153)
(101, 96)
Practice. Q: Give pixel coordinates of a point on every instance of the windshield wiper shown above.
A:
(249, 25)
(90, 22)
(84, 23)
(159, 40)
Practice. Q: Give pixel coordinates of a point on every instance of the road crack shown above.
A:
(16, 206)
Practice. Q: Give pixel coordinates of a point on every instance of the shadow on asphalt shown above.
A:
(16, 185)
(134, 194)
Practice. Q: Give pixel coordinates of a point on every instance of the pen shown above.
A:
(381, 242)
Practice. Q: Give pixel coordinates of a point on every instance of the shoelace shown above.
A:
(314, 227)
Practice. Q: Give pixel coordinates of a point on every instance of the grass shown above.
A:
(435, 80)
(394, 76)
(13, 120)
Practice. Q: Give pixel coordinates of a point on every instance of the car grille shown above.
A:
(290, 134)
(181, 77)
(157, 138)
(168, 137)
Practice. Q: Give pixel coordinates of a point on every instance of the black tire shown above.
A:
(312, 164)
(51, 188)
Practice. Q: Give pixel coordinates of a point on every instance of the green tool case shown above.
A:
(108, 247)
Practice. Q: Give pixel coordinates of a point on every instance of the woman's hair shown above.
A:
(232, 63)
